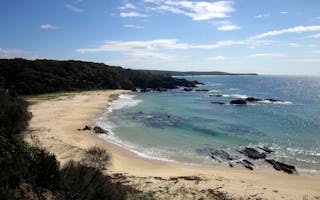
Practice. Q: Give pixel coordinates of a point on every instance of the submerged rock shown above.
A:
(100, 130)
(220, 155)
(238, 102)
(215, 95)
(217, 102)
(252, 153)
(201, 90)
(290, 169)
(273, 100)
(245, 163)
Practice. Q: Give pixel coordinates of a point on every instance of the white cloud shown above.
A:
(74, 8)
(297, 29)
(197, 10)
(315, 36)
(48, 27)
(217, 58)
(149, 55)
(265, 55)
(283, 12)
(128, 6)
(226, 26)
(14, 53)
(293, 44)
(259, 16)
(132, 26)
(316, 52)
(132, 14)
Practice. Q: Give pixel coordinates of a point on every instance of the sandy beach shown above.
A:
(55, 125)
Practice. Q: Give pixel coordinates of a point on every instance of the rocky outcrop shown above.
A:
(252, 153)
(290, 169)
(238, 102)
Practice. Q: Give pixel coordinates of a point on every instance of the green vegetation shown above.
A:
(27, 77)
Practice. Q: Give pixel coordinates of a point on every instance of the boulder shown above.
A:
(100, 130)
(238, 102)
(290, 169)
(252, 99)
(252, 153)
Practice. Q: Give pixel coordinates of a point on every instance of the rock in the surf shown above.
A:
(100, 130)
(238, 102)
(252, 153)
(252, 99)
(290, 169)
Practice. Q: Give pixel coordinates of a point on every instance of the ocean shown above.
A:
(181, 126)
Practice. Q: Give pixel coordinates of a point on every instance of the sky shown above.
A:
(260, 36)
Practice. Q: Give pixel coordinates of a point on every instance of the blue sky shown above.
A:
(262, 36)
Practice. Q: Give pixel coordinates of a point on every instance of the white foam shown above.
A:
(240, 96)
(214, 91)
(124, 100)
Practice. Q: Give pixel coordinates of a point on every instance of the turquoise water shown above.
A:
(178, 125)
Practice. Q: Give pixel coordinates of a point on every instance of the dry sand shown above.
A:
(55, 125)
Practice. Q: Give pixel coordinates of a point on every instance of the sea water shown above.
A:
(179, 126)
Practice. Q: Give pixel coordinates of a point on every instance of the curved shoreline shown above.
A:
(55, 125)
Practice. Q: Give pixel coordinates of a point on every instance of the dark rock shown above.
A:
(238, 102)
(230, 165)
(217, 102)
(145, 90)
(100, 130)
(215, 95)
(187, 89)
(86, 128)
(266, 149)
(134, 90)
(221, 155)
(201, 90)
(161, 89)
(252, 99)
(290, 169)
(248, 167)
(247, 162)
(252, 153)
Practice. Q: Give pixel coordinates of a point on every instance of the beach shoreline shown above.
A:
(55, 125)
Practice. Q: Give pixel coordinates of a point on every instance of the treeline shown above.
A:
(44, 76)
(30, 172)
